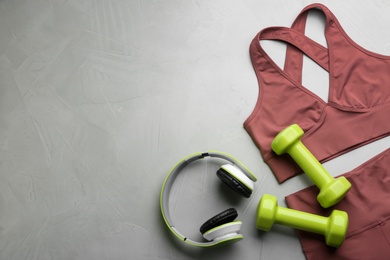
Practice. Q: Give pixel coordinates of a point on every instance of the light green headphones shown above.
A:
(221, 228)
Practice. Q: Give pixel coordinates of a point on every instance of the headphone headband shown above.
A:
(168, 183)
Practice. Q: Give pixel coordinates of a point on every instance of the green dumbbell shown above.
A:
(334, 227)
(331, 190)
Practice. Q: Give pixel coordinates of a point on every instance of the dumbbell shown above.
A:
(334, 227)
(331, 190)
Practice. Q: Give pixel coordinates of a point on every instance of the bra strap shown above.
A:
(294, 56)
(300, 42)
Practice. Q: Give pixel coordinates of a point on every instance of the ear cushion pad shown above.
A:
(222, 218)
(234, 183)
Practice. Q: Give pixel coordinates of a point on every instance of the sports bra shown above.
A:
(358, 107)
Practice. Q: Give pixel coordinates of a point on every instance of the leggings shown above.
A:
(368, 206)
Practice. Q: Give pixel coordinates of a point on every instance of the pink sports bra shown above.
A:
(358, 107)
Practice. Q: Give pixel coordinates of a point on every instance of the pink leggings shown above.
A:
(368, 208)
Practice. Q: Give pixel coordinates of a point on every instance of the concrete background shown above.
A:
(99, 99)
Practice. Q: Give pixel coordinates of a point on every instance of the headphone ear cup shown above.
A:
(236, 180)
(221, 228)
(222, 218)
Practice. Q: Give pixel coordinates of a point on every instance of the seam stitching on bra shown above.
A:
(357, 109)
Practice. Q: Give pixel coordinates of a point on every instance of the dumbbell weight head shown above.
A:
(337, 228)
(333, 192)
(266, 211)
(286, 138)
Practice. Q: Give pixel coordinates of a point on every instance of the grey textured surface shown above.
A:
(99, 99)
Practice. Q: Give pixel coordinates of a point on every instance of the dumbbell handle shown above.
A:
(301, 220)
(309, 164)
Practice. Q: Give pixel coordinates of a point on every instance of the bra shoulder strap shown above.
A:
(294, 57)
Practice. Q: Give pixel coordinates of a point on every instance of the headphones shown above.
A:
(222, 228)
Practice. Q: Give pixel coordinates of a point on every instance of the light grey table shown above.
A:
(99, 99)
